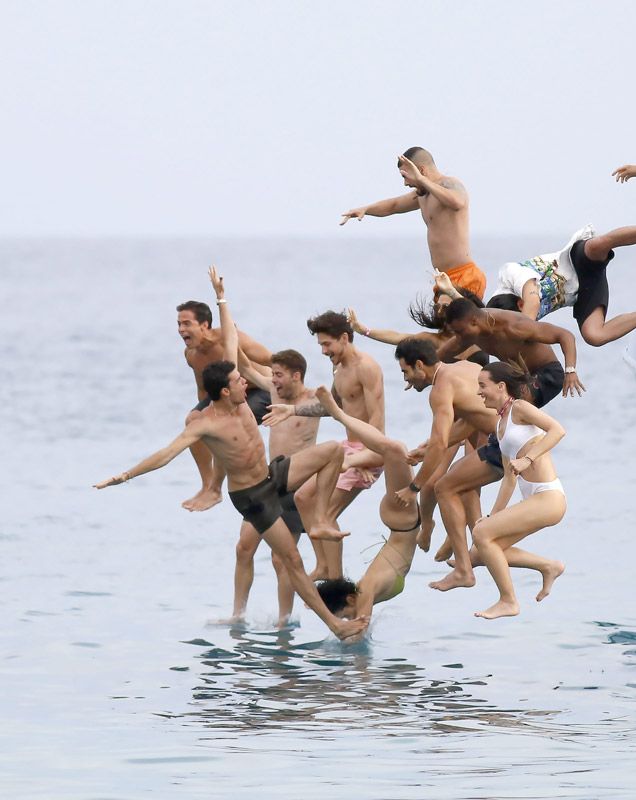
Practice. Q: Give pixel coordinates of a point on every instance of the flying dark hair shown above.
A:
(216, 377)
(514, 375)
(333, 323)
(201, 311)
(506, 302)
(291, 360)
(413, 350)
(334, 593)
(431, 315)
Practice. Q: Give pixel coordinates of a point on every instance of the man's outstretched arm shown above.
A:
(191, 434)
(384, 208)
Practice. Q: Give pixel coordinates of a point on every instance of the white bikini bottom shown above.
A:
(528, 488)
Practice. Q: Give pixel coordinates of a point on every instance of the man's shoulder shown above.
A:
(451, 182)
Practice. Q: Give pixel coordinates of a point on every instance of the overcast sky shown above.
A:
(153, 117)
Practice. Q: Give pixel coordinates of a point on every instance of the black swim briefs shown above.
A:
(491, 454)
(257, 400)
(593, 287)
(547, 382)
(262, 504)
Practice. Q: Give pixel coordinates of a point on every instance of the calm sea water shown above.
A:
(114, 685)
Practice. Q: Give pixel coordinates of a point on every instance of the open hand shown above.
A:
(217, 282)
(572, 383)
(278, 412)
(355, 213)
(624, 173)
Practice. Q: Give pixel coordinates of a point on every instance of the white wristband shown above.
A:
(569, 370)
(222, 300)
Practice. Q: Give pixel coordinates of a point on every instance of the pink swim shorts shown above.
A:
(352, 478)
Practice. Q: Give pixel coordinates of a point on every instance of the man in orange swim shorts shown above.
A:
(443, 202)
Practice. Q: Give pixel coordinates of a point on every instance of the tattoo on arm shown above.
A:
(313, 410)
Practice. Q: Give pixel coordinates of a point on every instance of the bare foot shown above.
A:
(350, 627)
(500, 609)
(445, 551)
(327, 533)
(454, 580)
(424, 536)
(555, 569)
(206, 498)
(327, 401)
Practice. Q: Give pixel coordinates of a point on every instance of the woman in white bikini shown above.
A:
(526, 435)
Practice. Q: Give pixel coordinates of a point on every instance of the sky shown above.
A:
(272, 117)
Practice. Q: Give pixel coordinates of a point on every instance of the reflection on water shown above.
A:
(267, 682)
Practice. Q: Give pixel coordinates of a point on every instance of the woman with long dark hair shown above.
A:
(526, 435)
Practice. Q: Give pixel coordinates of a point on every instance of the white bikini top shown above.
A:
(516, 436)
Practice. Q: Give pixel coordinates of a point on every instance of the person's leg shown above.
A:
(282, 543)
(285, 589)
(468, 473)
(428, 499)
(324, 461)
(549, 568)
(211, 477)
(595, 330)
(493, 535)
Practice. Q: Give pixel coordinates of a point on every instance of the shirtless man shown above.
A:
(203, 346)
(574, 276)
(508, 336)
(359, 386)
(453, 399)
(385, 577)
(230, 430)
(284, 384)
(443, 203)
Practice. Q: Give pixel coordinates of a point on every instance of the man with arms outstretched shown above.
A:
(443, 203)
(203, 346)
(359, 387)
(229, 429)
(284, 384)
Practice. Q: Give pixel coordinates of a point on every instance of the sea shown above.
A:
(117, 683)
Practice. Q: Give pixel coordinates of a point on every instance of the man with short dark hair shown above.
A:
(203, 346)
(229, 429)
(457, 411)
(284, 383)
(358, 385)
(443, 203)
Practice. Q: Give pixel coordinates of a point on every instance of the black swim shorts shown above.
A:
(547, 383)
(261, 504)
(593, 286)
(491, 454)
(257, 399)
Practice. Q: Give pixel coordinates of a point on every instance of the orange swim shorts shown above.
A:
(470, 277)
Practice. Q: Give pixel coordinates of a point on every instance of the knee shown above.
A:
(303, 497)
(593, 338)
(597, 248)
(480, 534)
(244, 552)
(395, 450)
(442, 488)
(291, 561)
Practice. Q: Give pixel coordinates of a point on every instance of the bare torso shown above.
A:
(236, 442)
(501, 342)
(350, 380)
(448, 230)
(294, 433)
